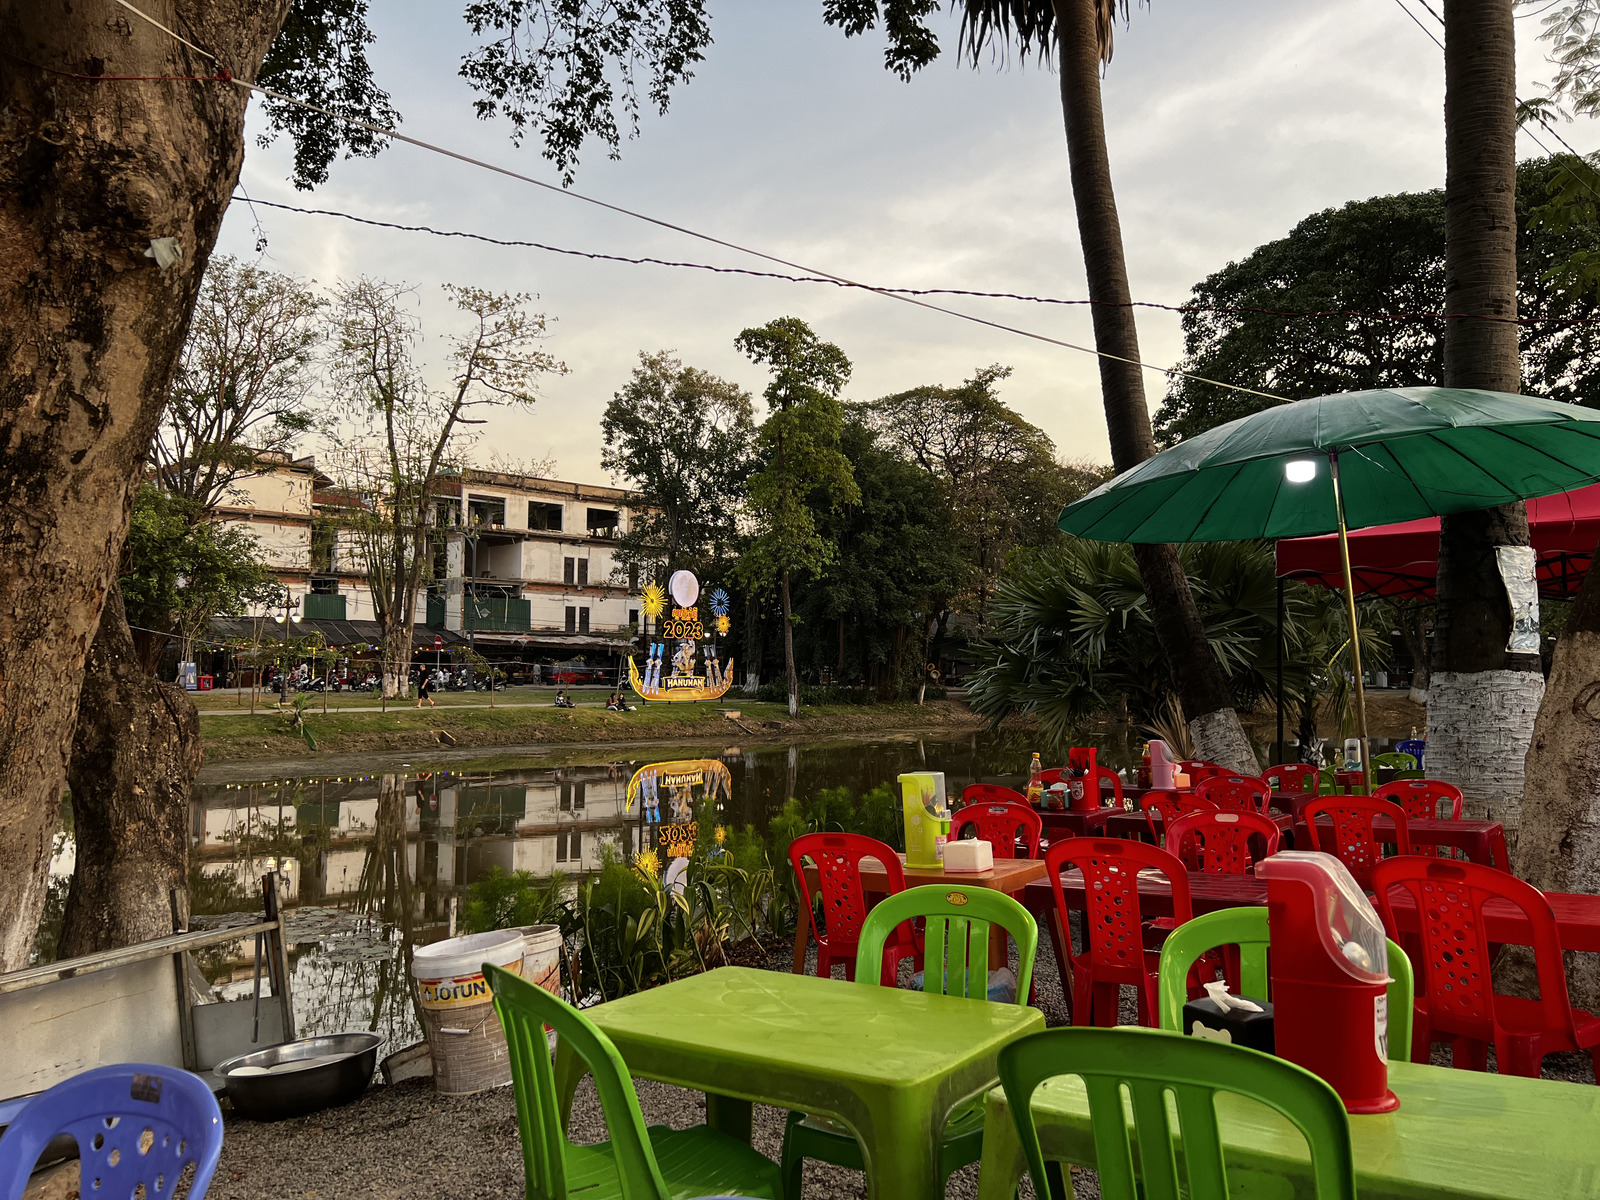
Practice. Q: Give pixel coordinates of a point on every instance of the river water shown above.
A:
(377, 854)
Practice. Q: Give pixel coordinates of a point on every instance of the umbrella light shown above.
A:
(1348, 461)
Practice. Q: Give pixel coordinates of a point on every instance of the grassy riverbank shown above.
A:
(233, 736)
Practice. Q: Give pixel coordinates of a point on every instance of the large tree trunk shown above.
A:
(134, 759)
(1196, 675)
(1482, 700)
(90, 173)
(788, 650)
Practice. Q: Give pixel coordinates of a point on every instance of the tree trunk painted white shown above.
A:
(1220, 738)
(1480, 724)
(1558, 848)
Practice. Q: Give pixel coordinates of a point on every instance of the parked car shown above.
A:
(567, 673)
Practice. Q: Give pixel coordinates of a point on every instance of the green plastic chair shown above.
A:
(1246, 928)
(955, 963)
(1152, 1065)
(637, 1163)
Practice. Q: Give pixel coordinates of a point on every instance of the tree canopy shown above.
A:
(1372, 275)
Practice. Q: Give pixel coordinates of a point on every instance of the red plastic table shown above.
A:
(1483, 841)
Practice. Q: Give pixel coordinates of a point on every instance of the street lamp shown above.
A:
(290, 603)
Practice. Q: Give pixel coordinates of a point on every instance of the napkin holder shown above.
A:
(968, 856)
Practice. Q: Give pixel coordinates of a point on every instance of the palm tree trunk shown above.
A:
(1482, 699)
(1196, 675)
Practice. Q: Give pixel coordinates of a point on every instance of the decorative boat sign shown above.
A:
(693, 671)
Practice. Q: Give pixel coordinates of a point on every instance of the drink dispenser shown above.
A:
(927, 817)
(1329, 967)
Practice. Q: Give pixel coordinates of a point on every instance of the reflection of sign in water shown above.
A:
(678, 779)
(677, 841)
(683, 680)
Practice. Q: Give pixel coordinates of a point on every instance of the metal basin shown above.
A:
(301, 1077)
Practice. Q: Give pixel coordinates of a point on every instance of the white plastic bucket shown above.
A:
(464, 1034)
(541, 956)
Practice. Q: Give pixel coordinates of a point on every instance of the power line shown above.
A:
(1227, 310)
(688, 232)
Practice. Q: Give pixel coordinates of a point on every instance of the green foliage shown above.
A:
(500, 900)
(1072, 636)
(573, 70)
(179, 571)
(1367, 271)
(684, 439)
(776, 691)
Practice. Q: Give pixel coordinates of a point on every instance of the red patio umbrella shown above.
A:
(1401, 561)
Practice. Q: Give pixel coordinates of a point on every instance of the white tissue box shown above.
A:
(971, 855)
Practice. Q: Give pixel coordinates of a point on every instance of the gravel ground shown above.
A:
(407, 1141)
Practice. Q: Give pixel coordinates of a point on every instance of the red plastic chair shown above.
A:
(1353, 841)
(1349, 783)
(1198, 768)
(844, 902)
(1001, 825)
(1456, 1000)
(1218, 843)
(992, 793)
(1169, 806)
(1421, 797)
(1236, 793)
(1053, 775)
(1114, 927)
(1300, 778)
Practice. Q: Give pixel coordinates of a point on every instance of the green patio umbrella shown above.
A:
(1343, 462)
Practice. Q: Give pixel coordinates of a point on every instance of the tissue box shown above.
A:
(1204, 1018)
(968, 855)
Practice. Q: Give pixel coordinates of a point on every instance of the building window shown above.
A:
(583, 572)
(569, 569)
(572, 619)
(633, 616)
(486, 510)
(574, 845)
(633, 578)
(561, 847)
(583, 620)
(578, 790)
(446, 513)
(544, 516)
(602, 522)
(566, 797)
(325, 587)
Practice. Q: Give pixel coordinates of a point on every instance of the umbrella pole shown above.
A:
(1355, 640)
(1280, 669)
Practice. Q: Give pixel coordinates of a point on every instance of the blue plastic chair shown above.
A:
(134, 1124)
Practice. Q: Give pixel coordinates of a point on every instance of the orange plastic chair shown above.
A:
(1455, 996)
(992, 793)
(1169, 806)
(1001, 825)
(1421, 797)
(1300, 778)
(1353, 841)
(1114, 927)
(1236, 793)
(1218, 843)
(844, 901)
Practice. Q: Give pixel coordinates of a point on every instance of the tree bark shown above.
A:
(1196, 675)
(90, 174)
(788, 650)
(1482, 699)
(134, 759)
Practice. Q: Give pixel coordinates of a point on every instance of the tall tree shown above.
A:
(1483, 693)
(244, 380)
(1078, 35)
(798, 447)
(121, 136)
(1003, 484)
(684, 440)
(396, 436)
(1369, 278)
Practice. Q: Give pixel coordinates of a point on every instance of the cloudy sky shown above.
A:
(1227, 123)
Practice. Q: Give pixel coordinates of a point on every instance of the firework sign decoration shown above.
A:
(683, 663)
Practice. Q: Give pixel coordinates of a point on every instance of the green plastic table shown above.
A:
(891, 1064)
(1456, 1134)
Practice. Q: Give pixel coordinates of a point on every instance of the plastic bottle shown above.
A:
(1035, 784)
(1144, 767)
(1352, 754)
(1161, 764)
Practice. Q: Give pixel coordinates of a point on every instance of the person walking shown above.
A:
(425, 689)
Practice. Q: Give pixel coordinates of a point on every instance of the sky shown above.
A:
(1227, 124)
